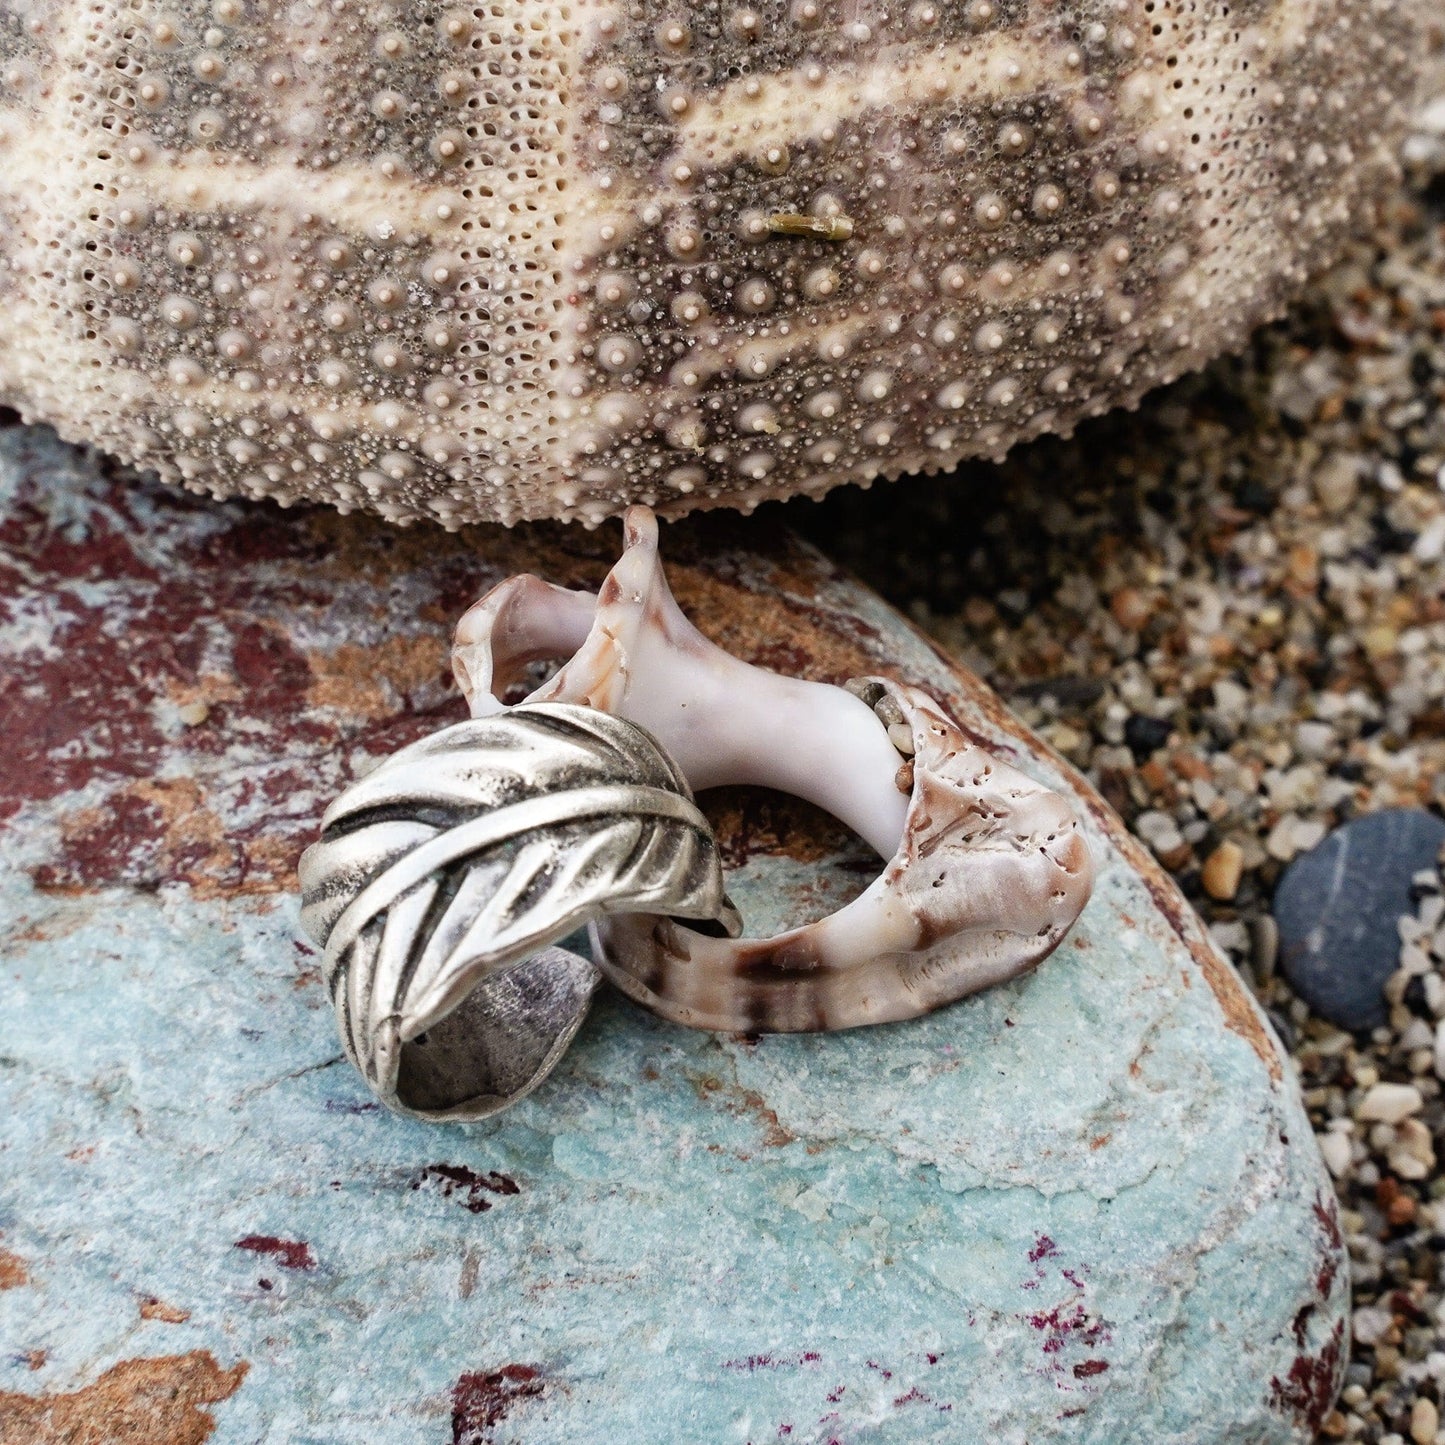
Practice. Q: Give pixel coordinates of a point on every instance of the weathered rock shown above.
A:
(1337, 906)
(1083, 1207)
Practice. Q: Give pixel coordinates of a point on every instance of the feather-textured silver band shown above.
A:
(442, 879)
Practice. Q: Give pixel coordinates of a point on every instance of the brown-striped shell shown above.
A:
(547, 257)
(985, 869)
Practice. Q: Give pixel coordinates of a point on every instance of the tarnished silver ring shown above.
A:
(444, 876)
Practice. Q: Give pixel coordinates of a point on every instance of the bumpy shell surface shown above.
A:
(542, 257)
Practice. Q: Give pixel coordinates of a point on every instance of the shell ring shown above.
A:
(444, 880)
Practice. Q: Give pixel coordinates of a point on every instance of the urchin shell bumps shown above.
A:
(523, 258)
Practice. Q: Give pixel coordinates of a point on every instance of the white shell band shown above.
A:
(989, 874)
(987, 869)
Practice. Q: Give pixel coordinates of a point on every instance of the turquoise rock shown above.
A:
(1084, 1207)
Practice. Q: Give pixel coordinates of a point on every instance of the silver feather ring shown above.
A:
(443, 878)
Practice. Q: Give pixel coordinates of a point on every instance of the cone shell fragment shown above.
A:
(544, 258)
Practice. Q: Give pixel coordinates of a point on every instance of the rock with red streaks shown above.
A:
(1084, 1206)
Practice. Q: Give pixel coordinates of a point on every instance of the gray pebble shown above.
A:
(1337, 907)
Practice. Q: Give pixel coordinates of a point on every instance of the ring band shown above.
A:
(442, 878)
(987, 869)
(989, 873)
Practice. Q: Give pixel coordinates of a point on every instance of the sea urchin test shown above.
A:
(535, 258)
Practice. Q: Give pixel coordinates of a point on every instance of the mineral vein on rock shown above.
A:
(1081, 1208)
(523, 258)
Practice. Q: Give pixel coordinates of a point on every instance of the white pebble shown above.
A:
(1418, 1035)
(1370, 1324)
(1424, 1421)
(1157, 829)
(1413, 1153)
(1231, 700)
(1390, 1103)
(1414, 960)
(1314, 739)
(901, 736)
(1337, 1151)
(1230, 936)
(1435, 997)
(1284, 839)
(1430, 544)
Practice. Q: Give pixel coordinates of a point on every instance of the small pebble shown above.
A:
(1264, 940)
(1389, 1103)
(1222, 871)
(1424, 1421)
(1370, 1325)
(1337, 1152)
(1412, 1155)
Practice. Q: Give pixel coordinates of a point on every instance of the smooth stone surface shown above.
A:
(1085, 1207)
(1337, 907)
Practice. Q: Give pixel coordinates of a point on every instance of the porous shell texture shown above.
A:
(523, 258)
